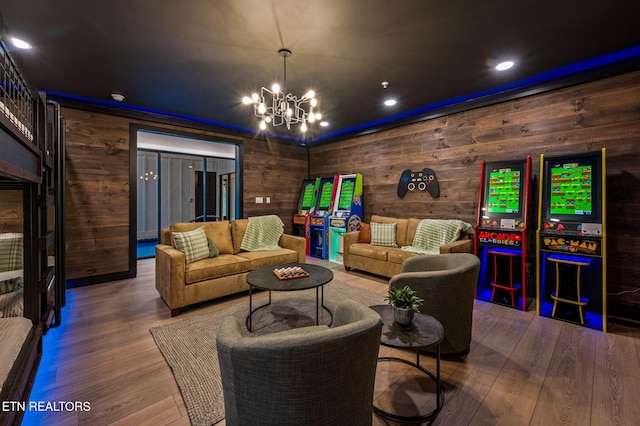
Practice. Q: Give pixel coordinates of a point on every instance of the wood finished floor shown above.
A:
(521, 370)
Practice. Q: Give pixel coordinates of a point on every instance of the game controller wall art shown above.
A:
(422, 181)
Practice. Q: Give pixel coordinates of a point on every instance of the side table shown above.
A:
(424, 332)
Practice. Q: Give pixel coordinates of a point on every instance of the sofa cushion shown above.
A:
(215, 267)
(193, 244)
(401, 228)
(238, 228)
(219, 232)
(383, 234)
(258, 259)
(399, 256)
(369, 251)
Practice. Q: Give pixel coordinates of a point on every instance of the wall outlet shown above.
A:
(259, 200)
(268, 200)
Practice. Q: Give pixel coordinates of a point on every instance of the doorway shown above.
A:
(180, 187)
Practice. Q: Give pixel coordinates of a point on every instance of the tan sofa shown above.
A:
(387, 261)
(181, 285)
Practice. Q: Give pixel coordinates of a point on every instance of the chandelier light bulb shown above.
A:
(262, 108)
(310, 94)
(267, 119)
(314, 102)
(312, 117)
(255, 97)
(275, 88)
(246, 100)
(303, 127)
(289, 112)
(318, 116)
(263, 125)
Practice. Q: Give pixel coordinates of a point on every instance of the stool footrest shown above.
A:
(506, 287)
(582, 302)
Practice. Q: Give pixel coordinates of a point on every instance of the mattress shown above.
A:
(13, 334)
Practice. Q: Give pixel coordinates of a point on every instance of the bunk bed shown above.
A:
(32, 280)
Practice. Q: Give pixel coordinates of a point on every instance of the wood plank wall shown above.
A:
(11, 212)
(582, 118)
(97, 184)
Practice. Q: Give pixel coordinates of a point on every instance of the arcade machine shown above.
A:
(347, 213)
(501, 234)
(306, 203)
(571, 258)
(318, 224)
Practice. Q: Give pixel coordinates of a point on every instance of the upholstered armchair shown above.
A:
(316, 375)
(447, 283)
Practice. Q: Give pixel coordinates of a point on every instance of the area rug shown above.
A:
(189, 346)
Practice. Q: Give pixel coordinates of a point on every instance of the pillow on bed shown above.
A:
(193, 244)
(10, 251)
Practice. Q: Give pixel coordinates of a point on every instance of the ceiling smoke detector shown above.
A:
(117, 97)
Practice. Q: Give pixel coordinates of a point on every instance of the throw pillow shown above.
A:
(213, 250)
(193, 244)
(11, 285)
(365, 233)
(383, 234)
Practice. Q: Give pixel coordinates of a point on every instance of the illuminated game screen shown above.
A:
(504, 191)
(571, 189)
(307, 195)
(346, 194)
(325, 196)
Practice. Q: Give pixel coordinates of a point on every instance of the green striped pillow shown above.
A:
(383, 234)
(10, 251)
(193, 244)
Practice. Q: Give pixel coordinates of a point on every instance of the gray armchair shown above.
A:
(447, 283)
(316, 375)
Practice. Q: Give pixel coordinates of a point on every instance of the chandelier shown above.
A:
(277, 108)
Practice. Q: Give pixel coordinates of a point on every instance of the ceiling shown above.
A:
(195, 59)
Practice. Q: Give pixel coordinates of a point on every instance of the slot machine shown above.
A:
(571, 239)
(501, 234)
(318, 223)
(306, 204)
(347, 213)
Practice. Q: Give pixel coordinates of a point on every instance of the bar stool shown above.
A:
(579, 301)
(511, 287)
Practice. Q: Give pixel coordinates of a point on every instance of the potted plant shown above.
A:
(404, 303)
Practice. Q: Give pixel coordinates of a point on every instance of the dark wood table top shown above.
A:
(264, 279)
(424, 331)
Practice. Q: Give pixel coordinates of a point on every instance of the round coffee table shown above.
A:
(264, 279)
(425, 331)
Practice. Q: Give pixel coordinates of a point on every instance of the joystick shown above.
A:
(423, 181)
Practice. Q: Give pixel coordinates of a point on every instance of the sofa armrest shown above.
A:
(170, 276)
(460, 246)
(349, 239)
(296, 243)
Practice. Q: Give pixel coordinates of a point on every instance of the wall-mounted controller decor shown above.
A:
(422, 181)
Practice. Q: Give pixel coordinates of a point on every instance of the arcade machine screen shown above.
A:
(346, 194)
(306, 201)
(504, 197)
(326, 191)
(572, 189)
(504, 191)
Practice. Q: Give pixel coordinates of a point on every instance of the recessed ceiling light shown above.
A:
(502, 66)
(324, 123)
(20, 44)
(390, 102)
